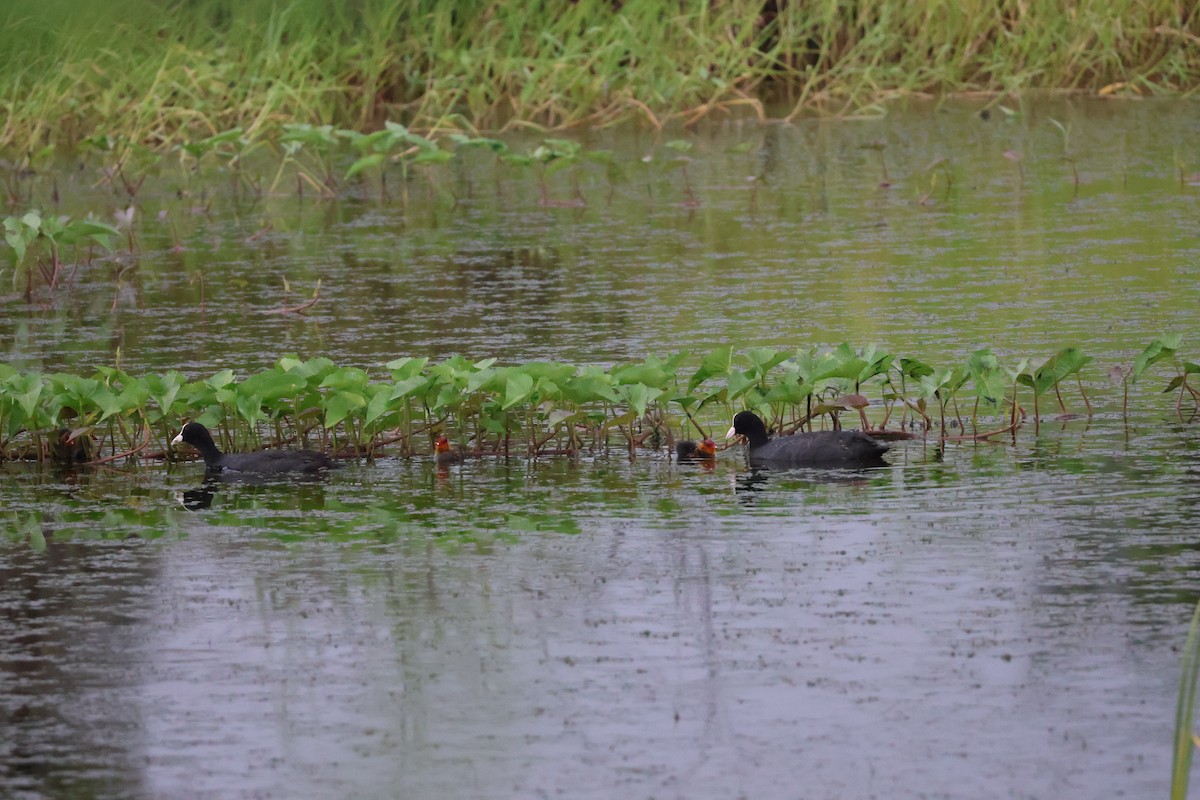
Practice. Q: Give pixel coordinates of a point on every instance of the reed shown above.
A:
(161, 74)
(1185, 711)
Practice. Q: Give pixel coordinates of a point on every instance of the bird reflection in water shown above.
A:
(308, 490)
(750, 485)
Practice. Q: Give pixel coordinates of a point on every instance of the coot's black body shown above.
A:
(262, 462)
(688, 450)
(846, 449)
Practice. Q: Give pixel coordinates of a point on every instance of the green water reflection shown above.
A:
(813, 251)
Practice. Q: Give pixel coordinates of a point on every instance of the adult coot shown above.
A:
(688, 450)
(443, 453)
(820, 449)
(263, 462)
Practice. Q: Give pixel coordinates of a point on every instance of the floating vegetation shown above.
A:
(543, 407)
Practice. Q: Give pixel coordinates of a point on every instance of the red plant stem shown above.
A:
(1083, 394)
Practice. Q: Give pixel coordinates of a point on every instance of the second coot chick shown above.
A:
(819, 449)
(66, 449)
(444, 453)
(688, 450)
(264, 462)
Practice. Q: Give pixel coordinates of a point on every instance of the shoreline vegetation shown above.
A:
(159, 74)
(548, 408)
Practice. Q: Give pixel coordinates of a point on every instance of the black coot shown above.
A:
(688, 450)
(263, 462)
(820, 449)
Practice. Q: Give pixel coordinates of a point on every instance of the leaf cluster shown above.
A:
(531, 408)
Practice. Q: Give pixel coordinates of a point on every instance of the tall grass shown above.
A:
(160, 72)
(1185, 711)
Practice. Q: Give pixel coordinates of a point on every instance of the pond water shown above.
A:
(985, 620)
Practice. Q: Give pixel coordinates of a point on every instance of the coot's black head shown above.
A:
(747, 423)
(197, 436)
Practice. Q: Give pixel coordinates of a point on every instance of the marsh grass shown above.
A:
(1185, 711)
(162, 74)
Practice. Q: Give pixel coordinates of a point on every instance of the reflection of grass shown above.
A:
(290, 514)
(35, 527)
(1185, 711)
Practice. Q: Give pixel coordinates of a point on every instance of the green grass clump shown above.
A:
(160, 73)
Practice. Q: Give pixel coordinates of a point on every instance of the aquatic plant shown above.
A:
(499, 150)
(396, 144)
(939, 166)
(309, 148)
(229, 144)
(680, 161)
(535, 408)
(1163, 349)
(1061, 365)
(36, 245)
(551, 156)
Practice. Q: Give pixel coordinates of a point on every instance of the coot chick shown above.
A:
(443, 453)
(265, 462)
(66, 449)
(820, 449)
(688, 450)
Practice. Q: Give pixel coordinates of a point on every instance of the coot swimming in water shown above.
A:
(819, 449)
(688, 450)
(443, 453)
(261, 461)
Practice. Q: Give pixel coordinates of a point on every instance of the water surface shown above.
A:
(795, 243)
(992, 620)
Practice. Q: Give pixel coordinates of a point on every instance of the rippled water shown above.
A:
(992, 620)
(1004, 619)
(813, 252)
